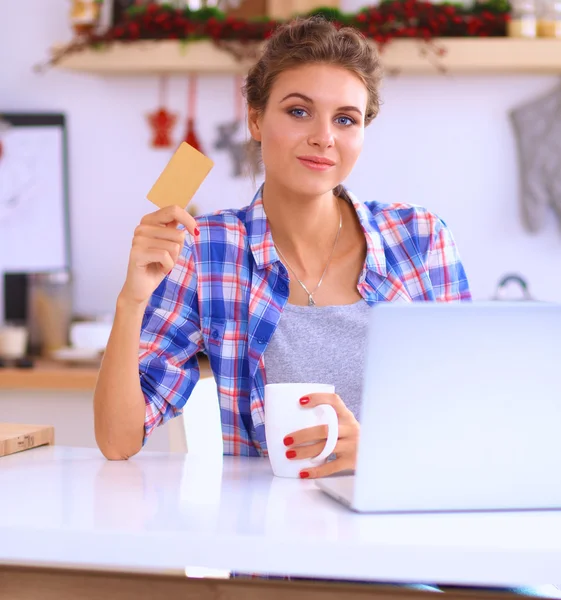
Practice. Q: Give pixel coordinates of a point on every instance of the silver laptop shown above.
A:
(461, 409)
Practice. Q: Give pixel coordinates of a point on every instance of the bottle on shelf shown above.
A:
(549, 19)
(523, 22)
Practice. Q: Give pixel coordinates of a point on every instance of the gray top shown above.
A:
(321, 344)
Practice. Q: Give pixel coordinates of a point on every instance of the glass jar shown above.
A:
(50, 311)
(523, 21)
(84, 15)
(549, 21)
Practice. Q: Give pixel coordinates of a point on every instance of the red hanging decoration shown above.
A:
(190, 134)
(162, 121)
(4, 126)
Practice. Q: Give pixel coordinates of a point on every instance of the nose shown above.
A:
(321, 134)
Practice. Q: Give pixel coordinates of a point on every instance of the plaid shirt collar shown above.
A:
(263, 247)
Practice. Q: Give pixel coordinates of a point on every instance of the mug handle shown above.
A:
(332, 432)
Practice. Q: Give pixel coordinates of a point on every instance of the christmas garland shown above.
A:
(391, 19)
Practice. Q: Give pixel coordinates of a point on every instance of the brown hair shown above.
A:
(314, 40)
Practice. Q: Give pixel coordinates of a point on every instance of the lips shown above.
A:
(319, 160)
(316, 163)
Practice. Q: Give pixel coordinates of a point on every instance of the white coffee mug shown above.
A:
(284, 415)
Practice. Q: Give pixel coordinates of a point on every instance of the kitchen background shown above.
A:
(442, 141)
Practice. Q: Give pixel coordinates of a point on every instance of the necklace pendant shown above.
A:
(311, 301)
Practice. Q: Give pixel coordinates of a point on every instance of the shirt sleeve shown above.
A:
(446, 271)
(169, 341)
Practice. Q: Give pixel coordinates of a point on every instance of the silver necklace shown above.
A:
(311, 294)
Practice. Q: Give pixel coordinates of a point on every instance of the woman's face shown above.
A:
(312, 129)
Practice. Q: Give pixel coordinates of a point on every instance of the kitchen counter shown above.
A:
(51, 375)
(61, 395)
(174, 513)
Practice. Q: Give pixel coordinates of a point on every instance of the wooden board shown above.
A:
(16, 438)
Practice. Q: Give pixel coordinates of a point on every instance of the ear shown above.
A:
(254, 123)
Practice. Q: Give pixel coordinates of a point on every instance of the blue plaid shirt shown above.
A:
(227, 291)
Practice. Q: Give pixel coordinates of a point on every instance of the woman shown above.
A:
(280, 290)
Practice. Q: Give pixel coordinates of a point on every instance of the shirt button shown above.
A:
(215, 334)
(261, 340)
(283, 287)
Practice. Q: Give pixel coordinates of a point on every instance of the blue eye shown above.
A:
(298, 112)
(345, 121)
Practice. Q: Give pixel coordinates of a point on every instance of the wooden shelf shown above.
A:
(152, 57)
(463, 55)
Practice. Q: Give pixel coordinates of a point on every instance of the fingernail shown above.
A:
(304, 474)
(291, 454)
(288, 441)
(197, 231)
(304, 400)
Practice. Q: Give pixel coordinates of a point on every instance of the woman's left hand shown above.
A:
(346, 449)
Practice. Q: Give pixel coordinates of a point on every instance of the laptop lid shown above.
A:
(461, 408)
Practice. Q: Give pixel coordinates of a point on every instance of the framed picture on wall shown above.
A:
(34, 212)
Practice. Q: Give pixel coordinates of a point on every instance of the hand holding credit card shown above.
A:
(157, 242)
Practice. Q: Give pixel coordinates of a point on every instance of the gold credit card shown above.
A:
(181, 177)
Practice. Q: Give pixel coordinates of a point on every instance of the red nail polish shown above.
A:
(290, 454)
(304, 400)
(304, 474)
(197, 231)
(288, 441)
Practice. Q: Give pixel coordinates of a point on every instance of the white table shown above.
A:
(63, 507)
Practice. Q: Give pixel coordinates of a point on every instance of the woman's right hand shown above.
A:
(156, 246)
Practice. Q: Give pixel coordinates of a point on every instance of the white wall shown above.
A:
(444, 142)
